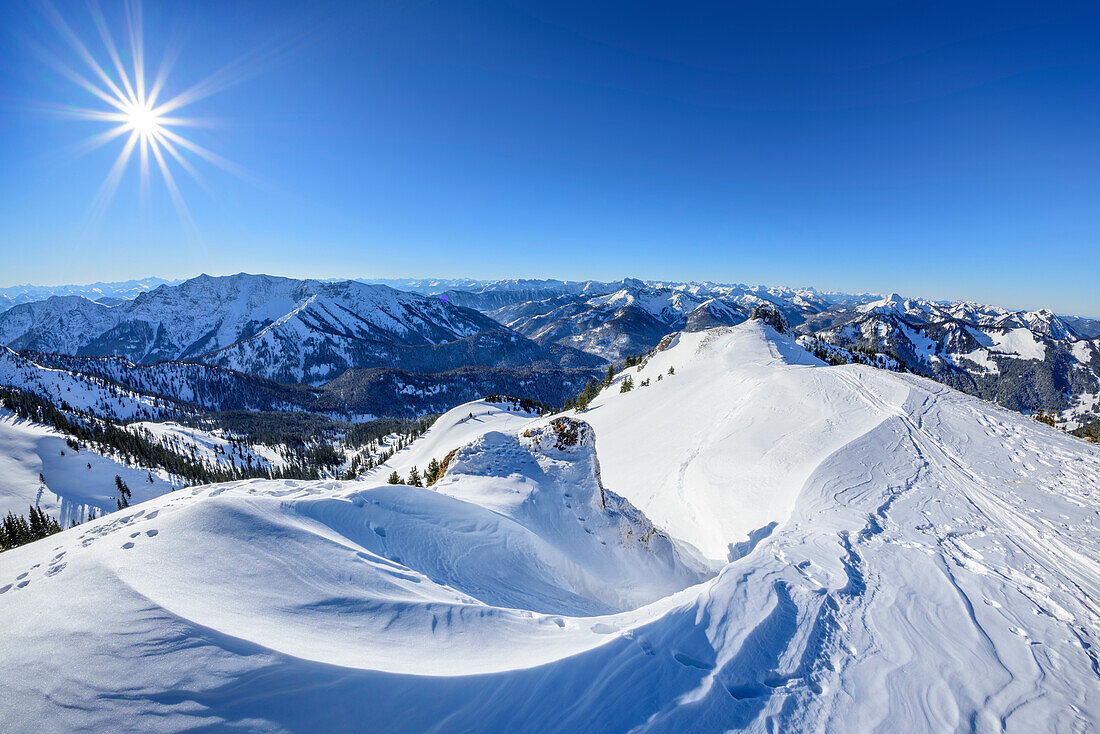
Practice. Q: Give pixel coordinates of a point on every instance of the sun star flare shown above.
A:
(139, 119)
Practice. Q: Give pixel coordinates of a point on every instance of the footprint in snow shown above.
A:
(647, 648)
(691, 662)
(127, 546)
(152, 533)
(5, 588)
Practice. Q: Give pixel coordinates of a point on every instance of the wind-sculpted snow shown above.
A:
(892, 555)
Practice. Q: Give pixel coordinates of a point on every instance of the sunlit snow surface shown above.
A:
(905, 558)
(38, 467)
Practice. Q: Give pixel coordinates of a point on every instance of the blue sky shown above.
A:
(944, 150)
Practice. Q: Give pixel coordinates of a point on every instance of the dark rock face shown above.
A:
(771, 316)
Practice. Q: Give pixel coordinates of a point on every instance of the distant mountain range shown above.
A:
(394, 344)
(108, 293)
(295, 331)
(1026, 361)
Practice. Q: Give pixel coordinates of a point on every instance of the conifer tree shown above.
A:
(628, 384)
(395, 479)
(123, 493)
(16, 530)
(414, 478)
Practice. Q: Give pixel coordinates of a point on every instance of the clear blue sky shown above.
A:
(950, 150)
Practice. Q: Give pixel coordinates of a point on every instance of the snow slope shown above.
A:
(209, 448)
(76, 482)
(88, 393)
(39, 467)
(894, 556)
(457, 427)
(739, 463)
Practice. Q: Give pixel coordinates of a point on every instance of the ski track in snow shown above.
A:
(906, 558)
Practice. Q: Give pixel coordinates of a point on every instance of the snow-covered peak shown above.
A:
(1046, 322)
(207, 315)
(663, 303)
(892, 302)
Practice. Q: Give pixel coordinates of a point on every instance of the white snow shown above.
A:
(904, 558)
(1019, 342)
(1083, 350)
(207, 447)
(981, 358)
(740, 466)
(454, 429)
(82, 392)
(76, 482)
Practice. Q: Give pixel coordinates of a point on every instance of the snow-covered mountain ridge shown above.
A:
(291, 330)
(115, 388)
(107, 293)
(88, 393)
(1030, 361)
(1027, 361)
(891, 554)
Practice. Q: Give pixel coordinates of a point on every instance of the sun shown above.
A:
(131, 104)
(143, 120)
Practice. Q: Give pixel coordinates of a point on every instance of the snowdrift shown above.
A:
(755, 541)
